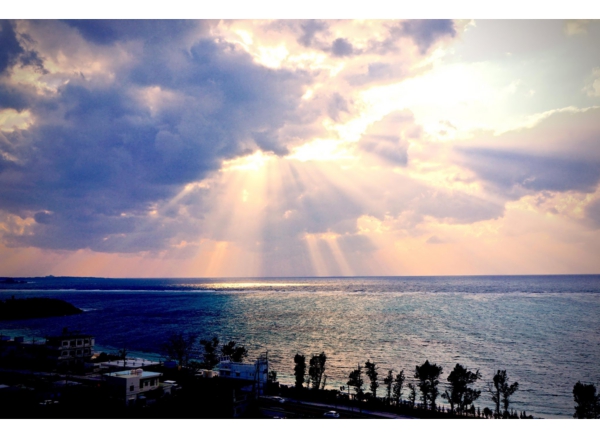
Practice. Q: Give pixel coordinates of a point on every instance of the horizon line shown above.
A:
(301, 276)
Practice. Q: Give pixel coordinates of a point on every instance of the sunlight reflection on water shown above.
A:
(544, 331)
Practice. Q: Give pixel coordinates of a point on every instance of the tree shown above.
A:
(236, 354)
(502, 391)
(299, 370)
(272, 376)
(211, 359)
(371, 372)
(316, 369)
(179, 347)
(412, 396)
(460, 394)
(398, 382)
(428, 375)
(487, 413)
(388, 382)
(588, 403)
(355, 379)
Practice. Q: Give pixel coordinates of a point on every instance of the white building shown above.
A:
(256, 372)
(130, 385)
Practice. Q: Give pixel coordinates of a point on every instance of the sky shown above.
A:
(318, 147)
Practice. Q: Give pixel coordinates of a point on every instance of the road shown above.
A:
(298, 409)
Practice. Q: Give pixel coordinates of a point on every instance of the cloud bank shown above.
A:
(296, 147)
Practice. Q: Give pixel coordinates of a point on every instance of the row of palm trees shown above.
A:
(460, 393)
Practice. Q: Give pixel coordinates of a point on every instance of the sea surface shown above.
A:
(544, 330)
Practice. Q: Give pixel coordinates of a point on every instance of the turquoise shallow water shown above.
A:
(544, 330)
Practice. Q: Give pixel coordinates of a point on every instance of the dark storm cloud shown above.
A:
(98, 158)
(16, 98)
(111, 31)
(13, 53)
(11, 50)
(514, 173)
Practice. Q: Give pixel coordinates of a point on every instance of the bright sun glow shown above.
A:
(394, 148)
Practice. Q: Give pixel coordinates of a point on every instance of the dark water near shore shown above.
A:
(544, 330)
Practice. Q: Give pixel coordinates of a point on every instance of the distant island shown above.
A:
(26, 308)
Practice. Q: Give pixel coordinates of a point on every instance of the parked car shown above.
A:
(331, 414)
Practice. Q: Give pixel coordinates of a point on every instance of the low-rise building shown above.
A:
(255, 373)
(69, 348)
(130, 385)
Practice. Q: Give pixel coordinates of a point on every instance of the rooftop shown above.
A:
(134, 373)
(130, 362)
(69, 335)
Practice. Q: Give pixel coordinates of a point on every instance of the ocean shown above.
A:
(543, 330)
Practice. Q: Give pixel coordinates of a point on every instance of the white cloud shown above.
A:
(593, 86)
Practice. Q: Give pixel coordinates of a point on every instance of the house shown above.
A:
(131, 385)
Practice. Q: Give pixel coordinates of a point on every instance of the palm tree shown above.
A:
(372, 374)
(355, 379)
(299, 369)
